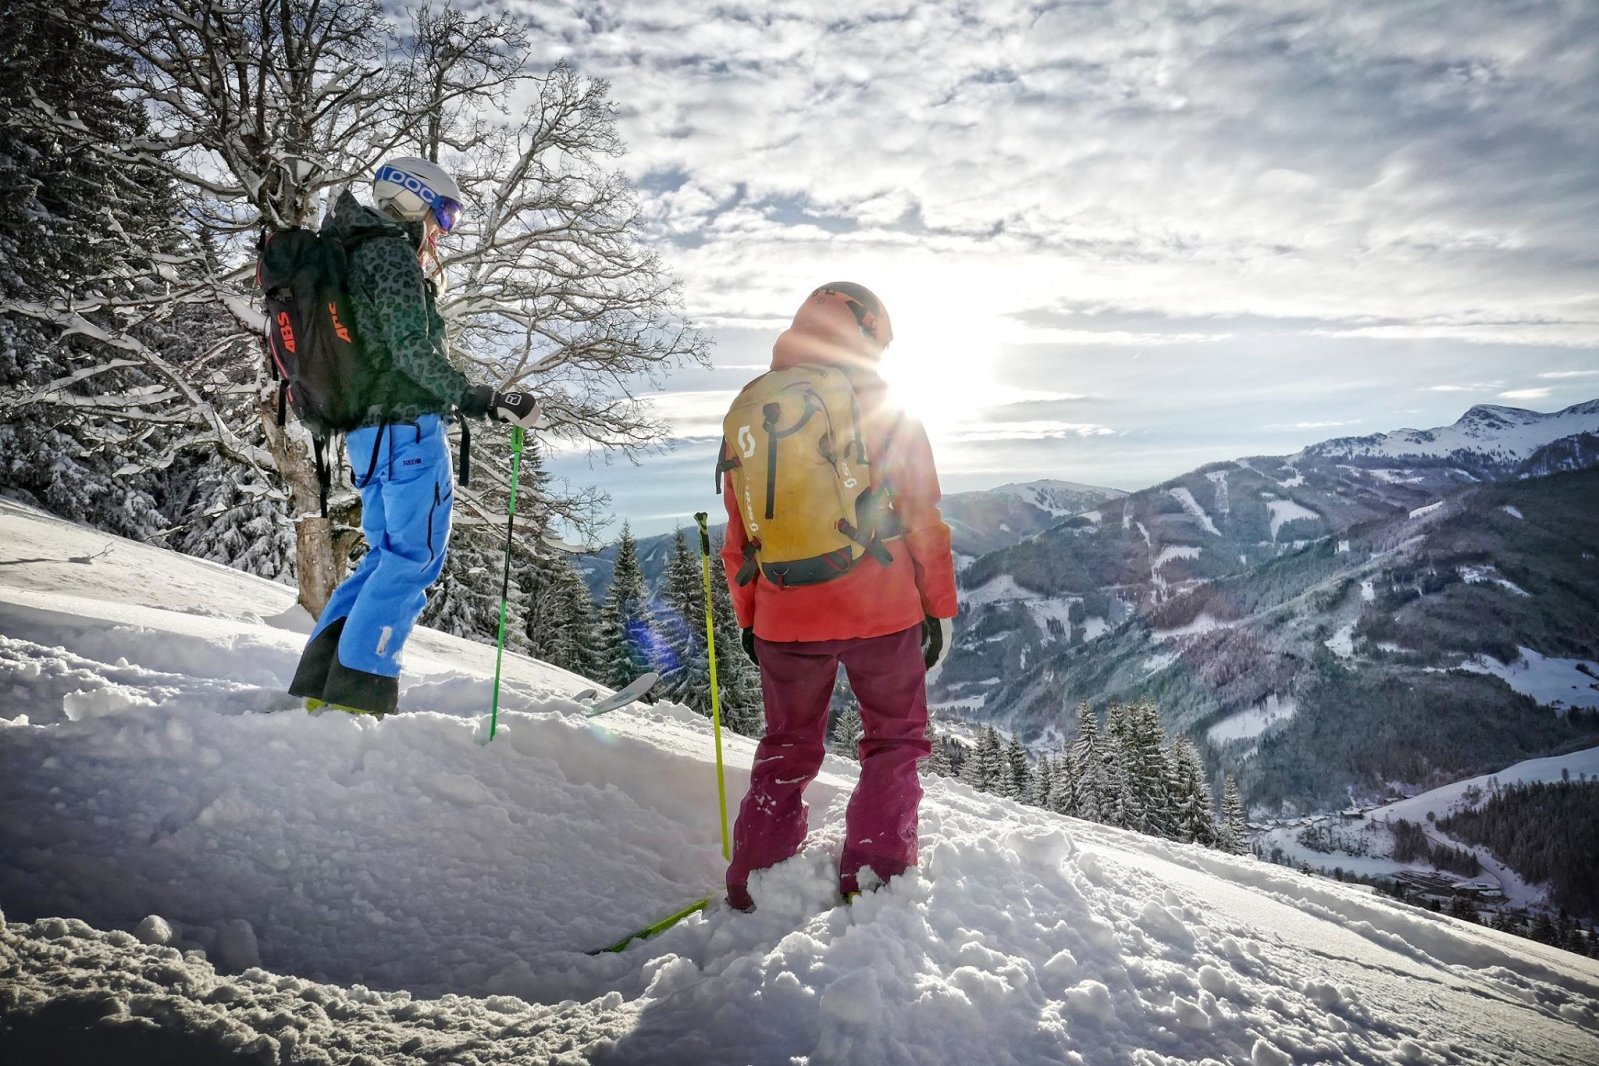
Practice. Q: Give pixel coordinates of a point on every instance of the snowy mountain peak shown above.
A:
(1495, 416)
(1485, 432)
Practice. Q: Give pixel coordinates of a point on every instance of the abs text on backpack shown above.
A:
(324, 373)
(793, 444)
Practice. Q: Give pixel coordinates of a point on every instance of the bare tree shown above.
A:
(260, 111)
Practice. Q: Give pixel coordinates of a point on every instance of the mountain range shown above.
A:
(1368, 615)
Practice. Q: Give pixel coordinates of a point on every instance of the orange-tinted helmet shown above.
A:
(839, 324)
(843, 309)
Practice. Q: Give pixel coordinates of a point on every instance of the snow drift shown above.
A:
(192, 869)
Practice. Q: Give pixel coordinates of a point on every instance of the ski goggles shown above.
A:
(446, 212)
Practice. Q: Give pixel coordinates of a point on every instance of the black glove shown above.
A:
(518, 408)
(747, 638)
(935, 640)
(476, 401)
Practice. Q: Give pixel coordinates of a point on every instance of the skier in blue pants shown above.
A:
(399, 454)
(405, 515)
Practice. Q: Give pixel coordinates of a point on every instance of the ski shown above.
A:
(651, 930)
(640, 686)
(565, 546)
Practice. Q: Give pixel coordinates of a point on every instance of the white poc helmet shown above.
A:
(408, 189)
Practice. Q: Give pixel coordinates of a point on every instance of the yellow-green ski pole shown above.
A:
(659, 927)
(710, 651)
(716, 724)
(505, 582)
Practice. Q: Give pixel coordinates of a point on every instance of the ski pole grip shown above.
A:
(700, 518)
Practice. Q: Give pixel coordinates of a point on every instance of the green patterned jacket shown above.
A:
(396, 318)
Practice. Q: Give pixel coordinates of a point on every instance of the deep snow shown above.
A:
(258, 885)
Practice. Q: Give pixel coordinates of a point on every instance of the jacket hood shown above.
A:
(352, 219)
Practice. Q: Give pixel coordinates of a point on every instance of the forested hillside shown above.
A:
(1414, 644)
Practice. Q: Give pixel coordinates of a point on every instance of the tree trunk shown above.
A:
(317, 565)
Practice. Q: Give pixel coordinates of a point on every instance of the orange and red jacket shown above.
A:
(872, 599)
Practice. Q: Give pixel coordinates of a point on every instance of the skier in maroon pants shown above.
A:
(885, 616)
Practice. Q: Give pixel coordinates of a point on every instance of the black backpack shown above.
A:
(323, 371)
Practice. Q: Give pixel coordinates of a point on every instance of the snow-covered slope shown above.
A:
(1059, 498)
(1463, 795)
(192, 869)
(1499, 434)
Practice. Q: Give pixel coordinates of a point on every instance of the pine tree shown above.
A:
(1118, 806)
(1234, 837)
(1143, 746)
(982, 768)
(938, 761)
(1086, 763)
(1063, 788)
(1016, 772)
(575, 646)
(75, 223)
(743, 710)
(625, 636)
(848, 729)
(1192, 820)
(1042, 780)
(680, 627)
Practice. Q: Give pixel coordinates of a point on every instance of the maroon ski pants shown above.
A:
(889, 680)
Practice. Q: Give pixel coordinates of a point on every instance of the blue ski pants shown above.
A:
(407, 493)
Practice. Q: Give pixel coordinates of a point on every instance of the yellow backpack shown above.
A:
(794, 446)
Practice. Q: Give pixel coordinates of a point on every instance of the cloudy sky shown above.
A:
(1118, 239)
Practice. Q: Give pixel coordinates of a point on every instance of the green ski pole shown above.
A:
(505, 582)
(710, 649)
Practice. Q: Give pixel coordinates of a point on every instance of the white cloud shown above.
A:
(1527, 394)
(1037, 430)
(692, 414)
(1400, 193)
(1287, 155)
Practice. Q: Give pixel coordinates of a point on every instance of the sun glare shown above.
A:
(940, 371)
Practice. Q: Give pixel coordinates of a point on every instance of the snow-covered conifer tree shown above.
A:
(66, 214)
(1142, 743)
(1016, 771)
(1063, 787)
(848, 730)
(573, 645)
(624, 619)
(1118, 805)
(1234, 836)
(1087, 767)
(625, 635)
(740, 682)
(1192, 820)
(680, 630)
(1045, 777)
(984, 762)
(938, 761)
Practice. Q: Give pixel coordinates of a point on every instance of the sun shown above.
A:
(940, 371)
